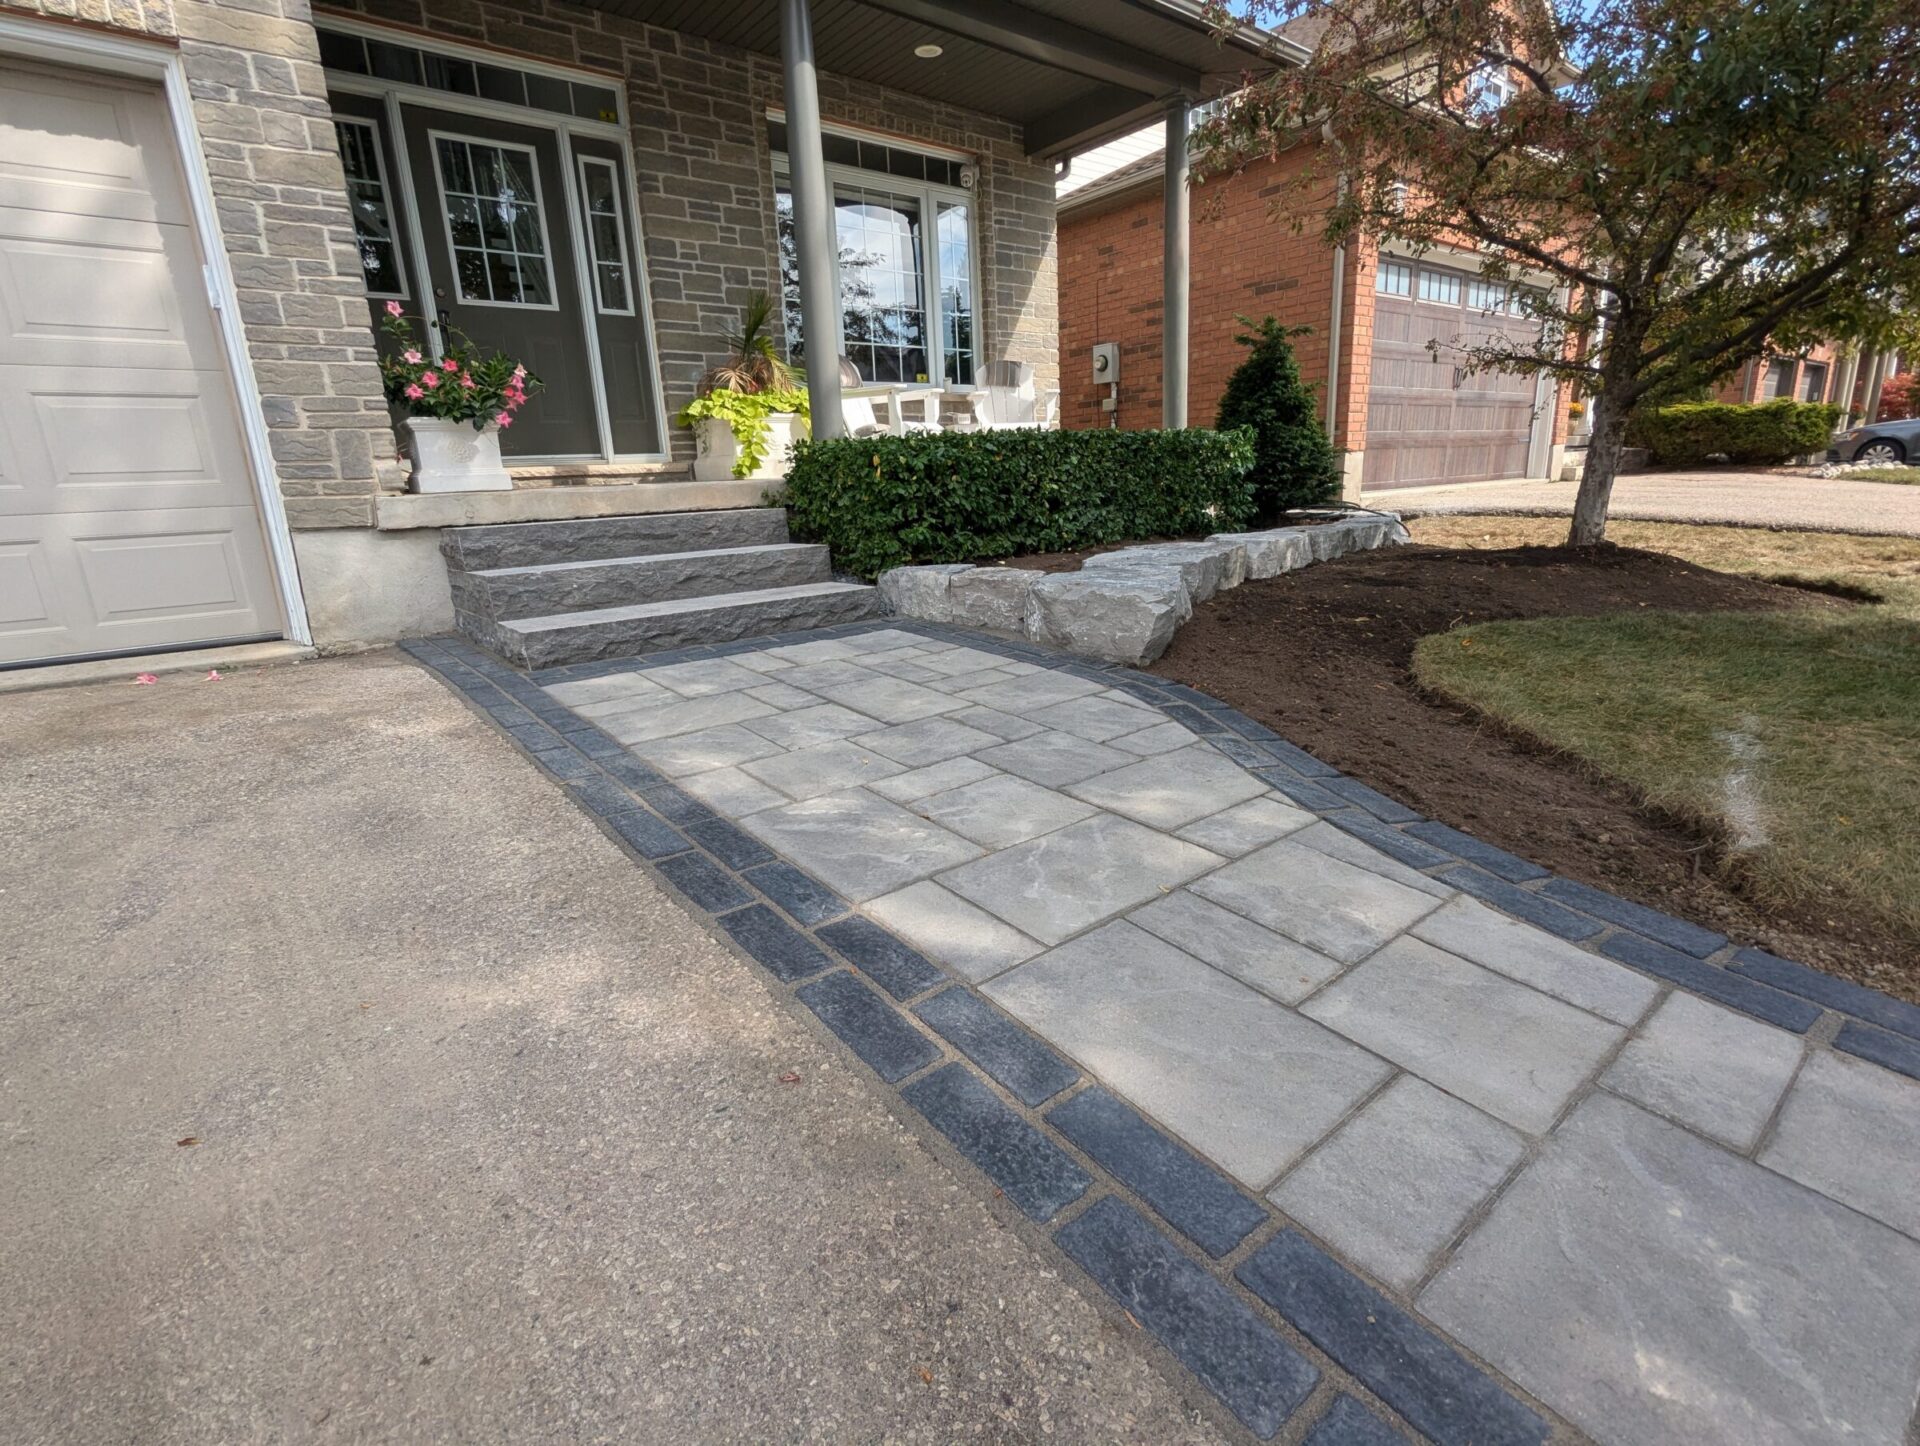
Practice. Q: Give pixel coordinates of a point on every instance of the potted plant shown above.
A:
(749, 412)
(455, 408)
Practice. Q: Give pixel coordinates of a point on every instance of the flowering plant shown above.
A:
(461, 386)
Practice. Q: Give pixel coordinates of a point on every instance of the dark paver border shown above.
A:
(992, 1089)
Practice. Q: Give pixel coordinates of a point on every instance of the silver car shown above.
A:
(1884, 444)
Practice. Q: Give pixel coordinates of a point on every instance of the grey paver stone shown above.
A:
(1053, 886)
(919, 782)
(1851, 1130)
(1270, 962)
(1098, 717)
(1520, 951)
(1324, 902)
(689, 715)
(1246, 1082)
(812, 723)
(1516, 1053)
(927, 740)
(891, 700)
(614, 687)
(726, 746)
(731, 793)
(1173, 789)
(762, 662)
(779, 695)
(1337, 843)
(944, 926)
(1028, 695)
(1054, 758)
(1002, 811)
(960, 661)
(1006, 726)
(1400, 1178)
(1246, 826)
(1711, 1069)
(1652, 1287)
(827, 768)
(1160, 738)
(857, 844)
(817, 650)
(703, 676)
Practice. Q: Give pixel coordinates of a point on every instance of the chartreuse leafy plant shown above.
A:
(1294, 465)
(1675, 186)
(745, 414)
(882, 502)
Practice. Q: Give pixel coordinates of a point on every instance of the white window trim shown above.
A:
(929, 196)
(594, 259)
(434, 138)
(387, 195)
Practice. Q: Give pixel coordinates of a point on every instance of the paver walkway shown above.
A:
(1663, 1218)
(1754, 499)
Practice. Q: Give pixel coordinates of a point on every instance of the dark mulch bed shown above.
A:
(1323, 656)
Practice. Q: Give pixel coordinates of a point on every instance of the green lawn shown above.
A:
(1909, 475)
(1796, 735)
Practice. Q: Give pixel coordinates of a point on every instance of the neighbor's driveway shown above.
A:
(1755, 499)
(492, 1138)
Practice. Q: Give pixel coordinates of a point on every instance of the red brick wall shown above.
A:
(1245, 261)
(1744, 385)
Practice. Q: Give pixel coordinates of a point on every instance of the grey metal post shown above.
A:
(813, 234)
(1174, 282)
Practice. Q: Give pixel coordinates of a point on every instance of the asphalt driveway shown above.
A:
(1752, 499)
(356, 1087)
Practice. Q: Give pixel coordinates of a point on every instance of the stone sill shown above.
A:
(397, 513)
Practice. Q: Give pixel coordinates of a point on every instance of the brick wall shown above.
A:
(261, 108)
(1245, 261)
(1745, 385)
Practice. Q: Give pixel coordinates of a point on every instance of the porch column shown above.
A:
(1173, 310)
(812, 218)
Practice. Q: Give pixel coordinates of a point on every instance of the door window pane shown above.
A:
(491, 195)
(955, 233)
(606, 234)
(372, 214)
(1440, 286)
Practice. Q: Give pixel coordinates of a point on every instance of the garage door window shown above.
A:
(1487, 296)
(1442, 287)
(1393, 279)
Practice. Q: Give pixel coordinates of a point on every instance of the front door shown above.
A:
(499, 246)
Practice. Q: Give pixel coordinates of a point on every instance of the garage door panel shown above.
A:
(106, 293)
(128, 519)
(87, 148)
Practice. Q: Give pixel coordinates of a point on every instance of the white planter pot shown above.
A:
(453, 457)
(718, 450)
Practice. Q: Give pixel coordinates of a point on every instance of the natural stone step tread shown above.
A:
(540, 589)
(555, 639)
(517, 544)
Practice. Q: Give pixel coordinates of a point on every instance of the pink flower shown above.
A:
(467, 382)
(144, 680)
(449, 364)
(519, 373)
(414, 393)
(503, 419)
(213, 676)
(430, 380)
(393, 308)
(412, 358)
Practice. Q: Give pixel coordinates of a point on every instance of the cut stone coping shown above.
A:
(1124, 606)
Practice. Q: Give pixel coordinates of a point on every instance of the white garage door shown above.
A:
(127, 513)
(1428, 421)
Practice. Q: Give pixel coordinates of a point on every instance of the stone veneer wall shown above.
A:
(260, 105)
(705, 174)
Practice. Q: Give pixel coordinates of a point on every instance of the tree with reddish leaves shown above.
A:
(1673, 186)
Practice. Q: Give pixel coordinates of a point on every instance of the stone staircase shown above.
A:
(542, 594)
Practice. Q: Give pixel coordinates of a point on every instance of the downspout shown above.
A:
(1335, 320)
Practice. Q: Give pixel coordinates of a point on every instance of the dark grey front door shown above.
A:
(499, 242)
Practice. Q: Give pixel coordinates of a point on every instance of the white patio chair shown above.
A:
(1007, 396)
(885, 407)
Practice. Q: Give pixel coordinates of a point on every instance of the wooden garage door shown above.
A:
(1427, 420)
(127, 512)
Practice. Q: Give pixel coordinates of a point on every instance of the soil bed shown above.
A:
(1323, 657)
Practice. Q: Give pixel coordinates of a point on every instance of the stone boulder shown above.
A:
(992, 597)
(1125, 615)
(1270, 553)
(1204, 567)
(920, 592)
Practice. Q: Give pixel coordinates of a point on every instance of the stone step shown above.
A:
(617, 632)
(588, 539)
(570, 587)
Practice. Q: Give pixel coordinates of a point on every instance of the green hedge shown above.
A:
(1690, 432)
(882, 502)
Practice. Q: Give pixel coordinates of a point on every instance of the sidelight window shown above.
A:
(368, 199)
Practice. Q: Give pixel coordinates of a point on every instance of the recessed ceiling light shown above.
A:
(929, 51)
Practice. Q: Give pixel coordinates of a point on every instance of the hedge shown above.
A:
(882, 502)
(1690, 432)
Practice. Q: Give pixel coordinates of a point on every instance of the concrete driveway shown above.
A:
(356, 1087)
(1753, 499)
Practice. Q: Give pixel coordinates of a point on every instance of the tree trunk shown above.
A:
(1596, 478)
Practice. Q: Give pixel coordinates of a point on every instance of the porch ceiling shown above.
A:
(1071, 72)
